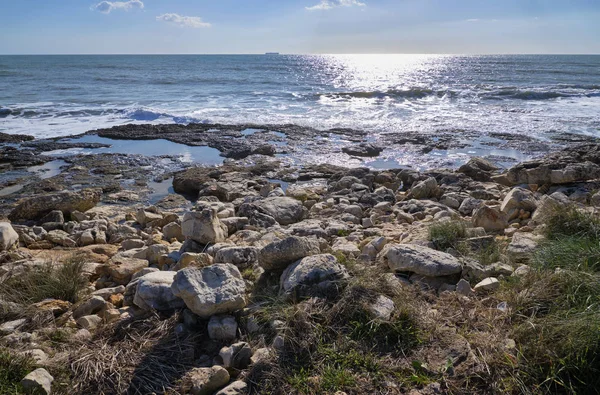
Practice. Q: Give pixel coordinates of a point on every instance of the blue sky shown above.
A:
(299, 26)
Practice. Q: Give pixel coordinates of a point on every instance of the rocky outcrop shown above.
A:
(363, 150)
(37, 206)
(216, 289)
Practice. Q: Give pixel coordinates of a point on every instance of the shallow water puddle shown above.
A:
(191, 154)
(47, 170)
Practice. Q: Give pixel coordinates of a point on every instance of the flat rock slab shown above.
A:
(422, 260)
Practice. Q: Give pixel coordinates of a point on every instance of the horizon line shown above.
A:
(305, 54)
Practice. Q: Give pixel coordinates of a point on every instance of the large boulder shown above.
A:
(285, 210)
(216, 289)
(37, 206)
(122, 268)
(421, 260)
(204, 226)
(280, 254)
(8, 236)
(518, 199)
(548, 206)
(154, 292)
(489, 218)
(313, 273)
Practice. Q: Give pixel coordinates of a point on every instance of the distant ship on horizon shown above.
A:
(272, 53)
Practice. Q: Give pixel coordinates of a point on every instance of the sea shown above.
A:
(532, 95)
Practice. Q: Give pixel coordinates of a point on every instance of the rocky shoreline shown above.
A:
(230, 244)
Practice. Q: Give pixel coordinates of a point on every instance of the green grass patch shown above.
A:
(570, 222)
(447, 234)
(12, 370)
(64, 281)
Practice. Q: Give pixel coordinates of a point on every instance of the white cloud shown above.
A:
(473, 20)
(329, 4)
(184, 21)
(107, 6)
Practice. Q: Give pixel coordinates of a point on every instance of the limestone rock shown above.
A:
(204, 226)
(236, 388)
(8, 236)
(489, 218)
(216, 289)
(478, 169)
(280, 254)
(9, 327)
(518, 199)
(421, 260)
(236, 356)
(37, 206)
(425, 189)
(154, 292)
(205, 381)
(382, 308)
(89, 307)
(522, 247)
(488, 284)
(313, 272)
(285, 210)
(222, 327)
(121, 269)
(241, 257)
(38, 382)
(173, 231)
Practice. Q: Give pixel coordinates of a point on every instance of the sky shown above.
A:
(298, 26)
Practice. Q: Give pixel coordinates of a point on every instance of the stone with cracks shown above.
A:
(285, 210)
(280, 254)
(489, 218)
(421, 260)
(154, 292)
(216, 289)
(205, 381)
(316, 272)
(204, 226)
(37, 206)
(241, 257)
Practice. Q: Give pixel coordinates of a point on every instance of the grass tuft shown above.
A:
(447, 234)
(12, 370)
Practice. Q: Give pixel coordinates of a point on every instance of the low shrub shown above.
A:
(12, 370)
(447, 234)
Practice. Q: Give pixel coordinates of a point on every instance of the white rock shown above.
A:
(204, 226)
(489, 284)
(381, 308)
(312, 272)
(236, 388)
(205, 381)
(280, 254)
(421, 260)
(8, 236)
(241, 257)
(154, 292)
(38, 382)
(215, 289)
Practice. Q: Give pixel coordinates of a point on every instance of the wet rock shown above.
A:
(312, 273)
(204, 227)
(37, 206)
(8, 237)
(205, 381)
(284, 210)
(489, 218)
(280, 254)
(217, 289)
(421, 260)
(55, 216)
(38, 382)
(363, 150)
(154, 292)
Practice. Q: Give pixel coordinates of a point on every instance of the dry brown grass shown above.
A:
(138, 357)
